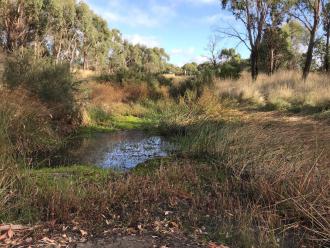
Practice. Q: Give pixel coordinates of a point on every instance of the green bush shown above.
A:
(25, 125)
(193, 85)
(52, 83)
(98, 115)
(230, 70)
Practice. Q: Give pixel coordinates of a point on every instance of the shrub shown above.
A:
(230, 70)
(98, 115)
(51, 83)
(25, 125)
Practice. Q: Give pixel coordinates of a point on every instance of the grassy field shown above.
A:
(241, 177)
(284, 90)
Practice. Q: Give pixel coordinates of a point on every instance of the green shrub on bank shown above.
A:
(52, 83)
(195, 84)
(25, 125)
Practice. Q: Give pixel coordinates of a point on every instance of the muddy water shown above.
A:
(121, 150)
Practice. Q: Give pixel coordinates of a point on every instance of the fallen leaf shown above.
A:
(48, 240)
(10, 233)
(83, 233)
(3, 236)
(214, 245)
(172, 224)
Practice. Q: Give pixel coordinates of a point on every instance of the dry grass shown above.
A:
(2, 61)
(254, 182)
(242, 193)
(85, 74)
(113, 100)
(283, 181)
(176, 79)
(284, 90)
(25, 124)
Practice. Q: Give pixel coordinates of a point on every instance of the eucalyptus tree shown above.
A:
(308, 12)
(19, 22)
(116, 52)
(102, 41)
(275, 52)
(252, 14)
(274, 39)
(326, 28)
(86, 30)
(61, 32)
(190, 69)
(297, 39)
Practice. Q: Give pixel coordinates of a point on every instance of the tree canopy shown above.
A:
(69, 31)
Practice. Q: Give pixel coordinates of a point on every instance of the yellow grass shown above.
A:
(284, 89)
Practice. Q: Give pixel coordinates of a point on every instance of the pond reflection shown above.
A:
(122, 150)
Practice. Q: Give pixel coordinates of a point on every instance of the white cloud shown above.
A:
(134, 15)
(186, 55)
(199, 59)
(218, 19)
(183, 51)
(149, 41)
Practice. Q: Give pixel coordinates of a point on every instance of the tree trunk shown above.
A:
(309, 55)
(271, 61)
(85, 61)
(73, 53)
(254, 64)
(326, 56)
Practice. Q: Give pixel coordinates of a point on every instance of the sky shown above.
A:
(182, 27)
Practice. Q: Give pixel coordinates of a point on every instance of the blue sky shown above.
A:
(182, 27)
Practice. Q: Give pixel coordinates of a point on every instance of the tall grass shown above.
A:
(284, 184)
(174, 116)
(25, 124)
(284, 90)
(240, 183)
(246, 188)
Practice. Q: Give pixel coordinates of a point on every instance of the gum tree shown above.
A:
(326, 28)
(308, 12)
(252, 14)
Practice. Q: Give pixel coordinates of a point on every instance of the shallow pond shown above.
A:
(120, 150)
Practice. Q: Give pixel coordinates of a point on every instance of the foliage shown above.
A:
(275, 51)
(190, 69)
(25, 125)
(230, 64)
(69, 31)
(225, 168)
(193, 86)
(51, 83)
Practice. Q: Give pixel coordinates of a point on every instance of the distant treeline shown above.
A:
(262, 31)
(70, 32)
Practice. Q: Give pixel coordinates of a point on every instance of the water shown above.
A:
(121, 150)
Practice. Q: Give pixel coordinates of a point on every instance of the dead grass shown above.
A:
(284, 91)
(282, 179)
(240, 193)
(256, 182)
(25, 124)
(112, 100)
